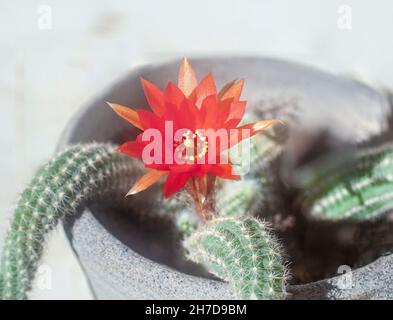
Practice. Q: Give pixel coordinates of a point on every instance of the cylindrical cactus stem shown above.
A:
(237, 198)
(242, 251)
(253, 157)
(58, 188)
(258, 187)
(358, 188)
(265, 148)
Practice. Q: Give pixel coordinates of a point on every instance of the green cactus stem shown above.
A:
(263, 149)
(236, 198)
(358, 188)
(243, 252)
(59, 188)
(258, 187)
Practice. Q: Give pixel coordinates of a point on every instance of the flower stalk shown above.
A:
(201, 191)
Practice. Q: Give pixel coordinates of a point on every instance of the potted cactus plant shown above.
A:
(303, 209)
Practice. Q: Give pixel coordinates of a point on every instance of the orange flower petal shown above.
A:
(224, 171)
(210, 112)
(126, 113)
(173, 94)
(264, 124)
(187, 80)
(205, 88)
(154, 96)
(132, 149)
(237, 110)
(224, 110)
(234, 91)
(149, 119)
(174, 183)
(146, 181)
(238, 134)
(224, 89)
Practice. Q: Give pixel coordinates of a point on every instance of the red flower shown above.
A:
(192, 107)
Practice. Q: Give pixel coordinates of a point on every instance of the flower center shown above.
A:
(196, 145)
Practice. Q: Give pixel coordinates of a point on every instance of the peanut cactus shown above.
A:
(258, 187)
(58, 188)
(242, 251)
(358, 188)
(237, 198)
(264, 149)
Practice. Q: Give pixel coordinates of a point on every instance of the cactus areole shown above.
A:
(187, 135)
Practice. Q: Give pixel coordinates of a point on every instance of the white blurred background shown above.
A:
(56, 55)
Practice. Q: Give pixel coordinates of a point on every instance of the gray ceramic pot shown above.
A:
(114, 254)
